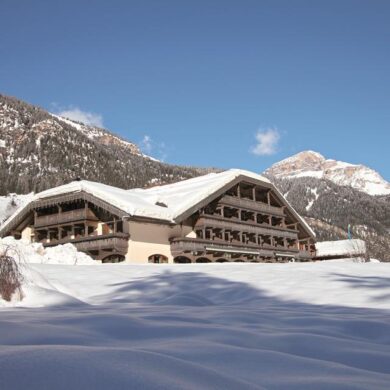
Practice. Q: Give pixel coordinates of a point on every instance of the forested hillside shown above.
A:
(329, 208)
(39, 150)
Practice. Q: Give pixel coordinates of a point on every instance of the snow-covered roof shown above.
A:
(181, 196)
(167, 202)
(125, 200)
(352, 247)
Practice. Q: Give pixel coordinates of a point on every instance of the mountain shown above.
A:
(332, 194)
(312, 164)
(39, 150)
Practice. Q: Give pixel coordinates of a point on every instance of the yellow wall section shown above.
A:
(26, 234)
(148, 239)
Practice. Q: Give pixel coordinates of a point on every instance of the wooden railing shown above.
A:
(115, 241)
(244, 226)
(186, 245)
(252, 205)
(63, 217)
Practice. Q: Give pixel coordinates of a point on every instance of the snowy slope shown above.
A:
(312, 164)
(230, 326)
(9, 204)
(101, 135)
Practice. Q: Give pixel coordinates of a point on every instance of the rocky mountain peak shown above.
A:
(313, 164)
(303, 161)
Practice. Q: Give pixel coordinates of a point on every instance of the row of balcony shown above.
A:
(64, 217)
(186, 245)
(219, 222)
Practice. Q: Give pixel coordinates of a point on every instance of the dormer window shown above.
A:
(161, 204)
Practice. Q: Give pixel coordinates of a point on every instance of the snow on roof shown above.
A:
(181, 196)
(166, 202)
(118, 197)
(340, 248)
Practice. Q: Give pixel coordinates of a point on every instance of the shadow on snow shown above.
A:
(192, 330)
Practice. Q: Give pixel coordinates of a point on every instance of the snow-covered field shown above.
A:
(199, 326)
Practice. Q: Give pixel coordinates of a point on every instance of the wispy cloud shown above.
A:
(266, 142)
(86, 117)
(146, 144)
(149, 146)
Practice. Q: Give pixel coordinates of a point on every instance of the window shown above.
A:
(157, 259)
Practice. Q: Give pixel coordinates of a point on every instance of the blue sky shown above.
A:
(194, 82)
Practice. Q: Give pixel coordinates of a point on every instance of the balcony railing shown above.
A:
(64, 217)
(252, 205)
(115, 241)
(244, 226)
(186, 245)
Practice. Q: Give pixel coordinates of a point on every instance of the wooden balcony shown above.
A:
(180, 246)
(216, 221)
(118, 242)
(261, 207)
(64, 217)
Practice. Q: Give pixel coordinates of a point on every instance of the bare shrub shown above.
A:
(11, 277)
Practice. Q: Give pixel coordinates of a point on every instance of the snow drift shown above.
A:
(27, 252)
(36, 289)
(232, 326)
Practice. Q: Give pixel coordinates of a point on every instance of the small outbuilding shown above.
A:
(332, 250)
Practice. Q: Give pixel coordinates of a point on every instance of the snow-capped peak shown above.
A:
(313, 164)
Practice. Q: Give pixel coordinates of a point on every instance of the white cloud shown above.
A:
(149, 146)
(267, 142)
(146, 144)
(88, 118)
